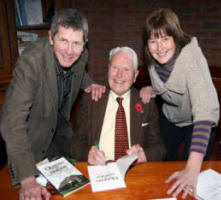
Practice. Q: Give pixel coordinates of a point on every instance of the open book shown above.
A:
(110, 176)
(209, 185)
(63, 176)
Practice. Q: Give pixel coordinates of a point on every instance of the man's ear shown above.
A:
(50, 37)
(135, 75)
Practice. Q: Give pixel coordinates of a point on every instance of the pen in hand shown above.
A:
(97, 145)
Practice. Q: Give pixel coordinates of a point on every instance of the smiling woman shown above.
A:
(179, 73)
(162, 48)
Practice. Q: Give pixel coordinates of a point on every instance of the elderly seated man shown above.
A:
(118, 123)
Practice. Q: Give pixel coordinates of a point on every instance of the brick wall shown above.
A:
(120, 23)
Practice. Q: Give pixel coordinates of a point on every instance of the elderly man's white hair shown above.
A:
(127, 50)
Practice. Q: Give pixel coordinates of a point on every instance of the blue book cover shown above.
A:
(18, 14)
(23, 12)
(34, 11)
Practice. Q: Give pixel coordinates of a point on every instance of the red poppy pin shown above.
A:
(138, 107)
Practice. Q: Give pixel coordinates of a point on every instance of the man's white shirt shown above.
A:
(107, 136)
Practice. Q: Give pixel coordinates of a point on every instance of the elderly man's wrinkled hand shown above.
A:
(140, 152)
(96, 156)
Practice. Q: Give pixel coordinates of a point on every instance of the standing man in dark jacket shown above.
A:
(35, 118)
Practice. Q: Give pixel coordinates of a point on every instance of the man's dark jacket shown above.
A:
(30, 109)
(144, 127)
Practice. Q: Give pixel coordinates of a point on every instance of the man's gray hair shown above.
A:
(127, 50)
(70, 18)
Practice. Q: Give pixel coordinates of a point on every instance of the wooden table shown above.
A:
(144, 181)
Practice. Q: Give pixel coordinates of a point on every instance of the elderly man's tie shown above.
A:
(121, 137)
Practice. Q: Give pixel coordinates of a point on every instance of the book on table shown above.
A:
(110, 176)
(209, 185)
(63, 176)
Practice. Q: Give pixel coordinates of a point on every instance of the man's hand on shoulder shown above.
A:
(30, 189)
(96, 91)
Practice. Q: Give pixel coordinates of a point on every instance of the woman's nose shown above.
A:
(159, 46)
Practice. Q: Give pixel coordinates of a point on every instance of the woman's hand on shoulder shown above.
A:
(146, 93)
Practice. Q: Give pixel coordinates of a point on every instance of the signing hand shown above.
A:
(138, 149)
(96, 157)
(146, 93)
(96, 91)
(31, 190)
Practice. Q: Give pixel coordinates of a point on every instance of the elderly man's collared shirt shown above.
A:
(107, 136)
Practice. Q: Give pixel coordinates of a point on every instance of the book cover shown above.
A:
(18, 13)
(209, 185)
(23, 12)
(63, 176)
(24, 39)
(34, 12)
(17, 22)
(110, 176)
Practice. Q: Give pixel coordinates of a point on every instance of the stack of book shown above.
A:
(24, 39)
(209, 185)
(28, 12)
(65, 177)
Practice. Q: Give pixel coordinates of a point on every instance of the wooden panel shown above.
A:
(60, 4)
(8, 39)
(41, 30)
(5, 77)
(12, 32)
(47, 10)
(4, 48)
